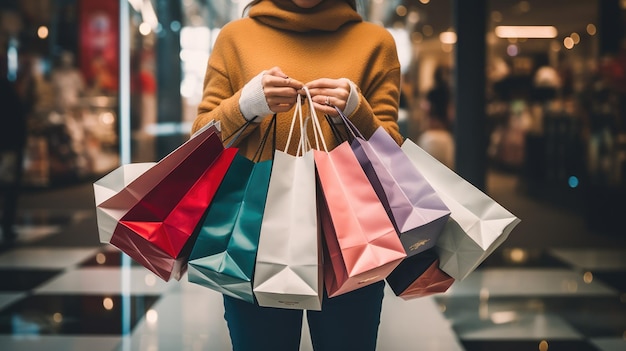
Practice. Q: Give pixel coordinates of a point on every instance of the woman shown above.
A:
(258, 66)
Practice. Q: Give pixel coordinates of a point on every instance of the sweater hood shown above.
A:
(328, 15)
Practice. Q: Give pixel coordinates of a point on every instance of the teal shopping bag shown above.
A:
(224, 254)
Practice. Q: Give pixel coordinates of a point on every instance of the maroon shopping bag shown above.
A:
(419, 276)
(163, 206)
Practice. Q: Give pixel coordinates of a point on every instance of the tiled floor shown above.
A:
(62, 290)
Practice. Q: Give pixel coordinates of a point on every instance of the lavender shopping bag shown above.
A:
(415, 208)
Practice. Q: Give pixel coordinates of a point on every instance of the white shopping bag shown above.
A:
(288, 269)
(109, 185)
(477, 225)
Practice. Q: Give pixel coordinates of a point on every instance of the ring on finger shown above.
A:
(327, 100)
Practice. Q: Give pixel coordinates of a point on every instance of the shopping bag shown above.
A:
(362, 243)
(419, 276)
(417, 212)
(165, 203)
(112, 198)
(288, 270)
(106, 187)
(224, 253)
(478, 224)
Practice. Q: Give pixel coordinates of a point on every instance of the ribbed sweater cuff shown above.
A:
(351, 103)
(252, 101)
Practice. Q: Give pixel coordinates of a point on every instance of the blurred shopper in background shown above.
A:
(437, 138)
(68, 85)
(12, 143)
(600, 102)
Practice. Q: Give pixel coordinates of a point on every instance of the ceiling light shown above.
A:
(448, 37)
(591, 29)
(526, 31)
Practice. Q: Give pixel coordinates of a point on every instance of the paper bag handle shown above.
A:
(333, 127)
(317, 129)
(349, 125)
(303, 143)
(259, 150)
(237, 133)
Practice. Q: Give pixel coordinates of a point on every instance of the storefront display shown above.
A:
(67, 147)
(65, 67)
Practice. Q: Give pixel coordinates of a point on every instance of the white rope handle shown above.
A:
(303, 144)
(305, 137)
(297, 112)
(317, 129)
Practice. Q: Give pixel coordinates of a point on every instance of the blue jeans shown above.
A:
(346, 322)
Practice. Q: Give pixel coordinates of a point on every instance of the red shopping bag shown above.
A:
(163, 206)
(362, 244)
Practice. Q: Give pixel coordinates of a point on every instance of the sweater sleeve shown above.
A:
(252, 103)
(218, 103)
(378, 107)
(379, 93)
(378, 110)
(221, 92)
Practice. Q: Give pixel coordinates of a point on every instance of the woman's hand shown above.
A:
(280, 90)
(327, 93)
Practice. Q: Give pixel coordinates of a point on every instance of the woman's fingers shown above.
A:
(328, 109)
(327, 93)
(280, 99)
(275, 77)
(280, 90)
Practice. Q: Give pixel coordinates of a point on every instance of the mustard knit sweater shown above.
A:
(328, 41)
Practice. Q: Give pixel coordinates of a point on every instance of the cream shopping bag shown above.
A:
(477, 224)
(288, 270)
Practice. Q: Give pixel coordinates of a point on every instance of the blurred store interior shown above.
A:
(532, 92)
(552, 113)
